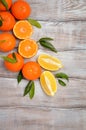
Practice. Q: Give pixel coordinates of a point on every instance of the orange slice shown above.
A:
(27, 48)
(49, 62)
(22, 29)
(48, 83)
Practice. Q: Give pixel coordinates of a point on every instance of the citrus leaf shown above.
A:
(61, 82)
(19, 77)
(48, 45)
(34, 23)
(62, 75)
(8, 59)
(28, 87)
(5, 4)
(46, 39)
(14, 56)
(32, 91)
(1, 23)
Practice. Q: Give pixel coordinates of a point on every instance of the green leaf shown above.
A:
(1, 23)
(62, 76)
(34, 23)
(8, 59)
(28, 87)
(32, 91)
(5, 4)
(61, 82)
(14, 56)
(48, 45)
(19, 77)
(46, 39)
(2, 41)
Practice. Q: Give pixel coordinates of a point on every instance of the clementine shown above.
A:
(22, 29)
(8, 21)
(27, 48)
(7, 42)
(17, 66)
(31, 70)
(3, 8)
(21, 9)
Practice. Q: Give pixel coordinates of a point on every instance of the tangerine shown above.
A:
(7, 42)
(17, 66)
(21, 9)
(22, 29)
(3, 8)
(31, 70)
(27, 48)
(8, 21)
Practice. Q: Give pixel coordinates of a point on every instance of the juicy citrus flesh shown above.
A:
(21, 9)
(22, 29)
(8, 21)
(49, 62)
(15, 67)
(7, 42)
(31, 70)
(48, 83)
(27, 48)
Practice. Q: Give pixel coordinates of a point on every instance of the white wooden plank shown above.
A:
(72, 96)
(42, 118)
(74, 63)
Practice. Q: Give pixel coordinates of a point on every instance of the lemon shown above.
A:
(48, 83)
(49, 62)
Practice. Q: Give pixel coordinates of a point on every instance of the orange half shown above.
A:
(22, 29)
(27, 48)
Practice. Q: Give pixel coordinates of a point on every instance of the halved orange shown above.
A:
(49, 62)
(48, 83)
(27, 48)
(22, 29)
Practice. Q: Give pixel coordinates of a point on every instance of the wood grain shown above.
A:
(65, 21)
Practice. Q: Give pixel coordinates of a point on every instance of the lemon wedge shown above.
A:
(48, 83)
(49, 62)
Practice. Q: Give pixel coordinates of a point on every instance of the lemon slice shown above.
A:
(48, 83)
(49, 62)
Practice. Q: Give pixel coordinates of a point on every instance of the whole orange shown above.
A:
(8, 21)
(3, 8)
(14, 67)
(31, 70)
(21, 9)
(7, 42)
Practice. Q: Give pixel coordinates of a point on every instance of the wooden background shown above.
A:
(65, 21)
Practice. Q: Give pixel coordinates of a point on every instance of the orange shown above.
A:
(48, 83)
(22, 29)
(8, 21)
(15, 67)
(49, 62)
(21, 9)
(7, 42)
(27, 48)
(3, 8)
(31, 70)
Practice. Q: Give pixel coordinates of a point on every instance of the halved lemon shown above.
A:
(22, 29)
(48, 83)
(49, 62)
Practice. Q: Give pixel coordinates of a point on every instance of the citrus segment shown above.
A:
(23, 29)
(49, 62)
(48, 83)
(15, 67)
(31, 70)
(27, 48)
